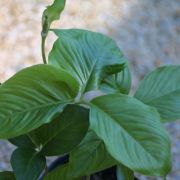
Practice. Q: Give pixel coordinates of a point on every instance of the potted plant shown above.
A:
(76, 106)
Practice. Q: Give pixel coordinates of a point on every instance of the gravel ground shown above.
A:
(148, 32)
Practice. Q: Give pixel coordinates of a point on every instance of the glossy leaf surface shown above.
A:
(132, 133)
(161, 89)
(33, 97)
(89, 56)
(64, 133)
(27, 164)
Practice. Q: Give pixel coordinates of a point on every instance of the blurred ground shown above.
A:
(147, 31)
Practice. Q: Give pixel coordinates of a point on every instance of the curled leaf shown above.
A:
(50, 14)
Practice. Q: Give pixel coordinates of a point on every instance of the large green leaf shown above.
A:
(117, 83)
(64, 133)
(7, 175)
(89, 157)
(33, 97)
(132, 133)
(124, 173)
(52, 13)
(27, 164)
(161, 89)
(89, 56)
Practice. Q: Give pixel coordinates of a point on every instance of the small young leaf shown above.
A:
(7, 175)
(89, 56)
(52, 13)
(91, 153)
(132, 133)
(27, 164)
(117, 83)
(64, 133)
(124, 173)
(33, 97)
(161, 89)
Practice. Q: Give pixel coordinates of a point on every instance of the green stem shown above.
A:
(88, 177)
(43, 39)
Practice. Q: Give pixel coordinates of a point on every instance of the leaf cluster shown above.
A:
(79, 104)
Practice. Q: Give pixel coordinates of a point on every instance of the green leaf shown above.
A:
(33, 97)
(124, 173)
(60, 173)
(27, 164)
(64, 133)
(117, 83)
(22, 141)
(89, 56)
(132, 133)
(52, 13)
(161, 89)
(7, 175)
(91, 153)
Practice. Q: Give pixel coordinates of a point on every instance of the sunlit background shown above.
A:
(147, 31)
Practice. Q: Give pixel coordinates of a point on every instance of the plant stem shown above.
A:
(88, 178)
(46, 170)
(43, 39)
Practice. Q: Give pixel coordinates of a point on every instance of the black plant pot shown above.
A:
(108, 174)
